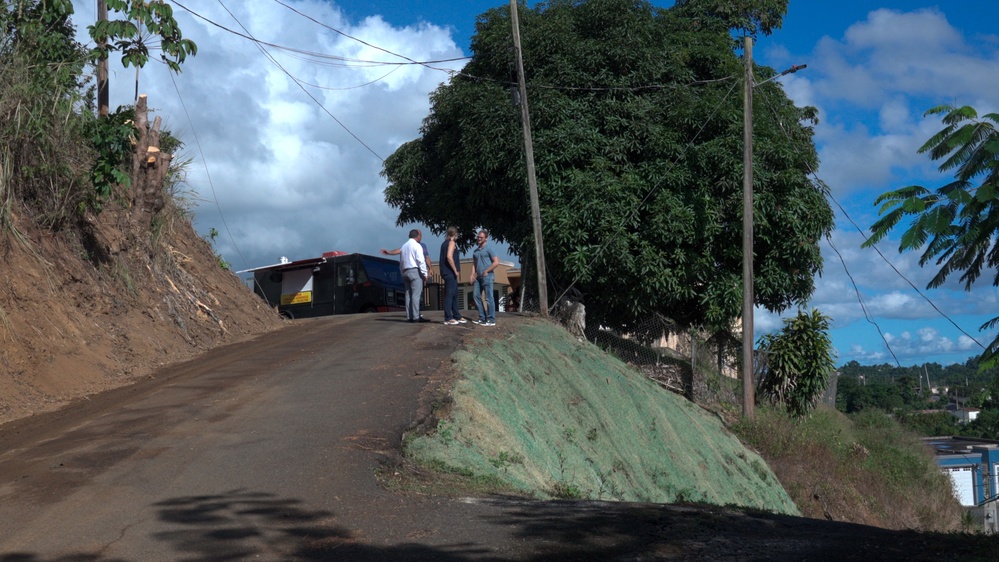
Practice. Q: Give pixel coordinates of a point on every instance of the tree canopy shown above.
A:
(956, 225)
(146, 25)
(637, 123)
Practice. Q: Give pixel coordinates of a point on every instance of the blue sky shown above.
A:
(275, 175)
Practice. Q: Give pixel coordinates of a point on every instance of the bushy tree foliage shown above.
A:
(144, 25)
(955, 226)
(56, 157)
(799, 360)
(637, 125)
(40, 33)
(930, 424)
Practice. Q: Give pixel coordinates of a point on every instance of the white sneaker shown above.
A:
(462, 321)
(451, 322)
(479, 322)
(489, 323)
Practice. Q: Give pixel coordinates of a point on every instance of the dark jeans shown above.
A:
(451, 309)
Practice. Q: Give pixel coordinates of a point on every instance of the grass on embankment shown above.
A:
(534, 412)
(863, 469)
(538, 413)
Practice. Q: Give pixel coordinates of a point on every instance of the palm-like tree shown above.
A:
(956, 226)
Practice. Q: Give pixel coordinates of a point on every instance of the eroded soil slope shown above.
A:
(91, 308)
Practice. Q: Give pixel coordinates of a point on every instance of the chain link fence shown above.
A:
(703, 368)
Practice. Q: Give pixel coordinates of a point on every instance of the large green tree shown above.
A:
(956, 225)
(637, 125)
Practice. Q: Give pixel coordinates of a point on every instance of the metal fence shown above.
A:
(702, 368)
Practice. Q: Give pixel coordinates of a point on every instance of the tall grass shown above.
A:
(41, 140)
(867, 469)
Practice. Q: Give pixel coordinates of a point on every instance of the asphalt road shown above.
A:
(267, 450)
(258, 449)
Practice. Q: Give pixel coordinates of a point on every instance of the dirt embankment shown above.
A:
(82, 310)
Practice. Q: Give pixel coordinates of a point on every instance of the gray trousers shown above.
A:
(414, 292)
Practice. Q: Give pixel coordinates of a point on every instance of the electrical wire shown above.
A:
(208, 174)
(349, 62)
(860, 298)
(299, 84)
(828, 193)
(900, 274)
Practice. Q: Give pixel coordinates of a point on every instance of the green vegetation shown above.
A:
(57, 156)
(799, 361)
(866, 469)
(539, 414)
(41, 132)
(212, 235)
(551, 417)
(637, 120)
(904, 393)
(112, 139)
(145, 25)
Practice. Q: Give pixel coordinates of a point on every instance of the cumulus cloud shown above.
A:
(873, 85)
(287, 145)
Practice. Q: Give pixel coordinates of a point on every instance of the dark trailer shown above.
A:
(337, 283)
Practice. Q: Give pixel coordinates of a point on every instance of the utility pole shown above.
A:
(102, 65)
(748, 399)
(532, 182)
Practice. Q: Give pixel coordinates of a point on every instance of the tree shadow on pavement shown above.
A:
(591, 531)
(242, 525)
(239, 525)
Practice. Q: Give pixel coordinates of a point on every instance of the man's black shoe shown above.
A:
(422, 319)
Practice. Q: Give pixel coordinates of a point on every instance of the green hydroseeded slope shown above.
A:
(554, 417)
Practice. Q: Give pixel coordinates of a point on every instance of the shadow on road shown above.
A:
(242, 525)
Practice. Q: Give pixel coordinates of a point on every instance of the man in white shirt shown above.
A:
(414, 271)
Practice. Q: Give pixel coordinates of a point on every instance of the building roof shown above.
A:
(954, 445)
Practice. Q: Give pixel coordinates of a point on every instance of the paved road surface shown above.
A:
(266, 450)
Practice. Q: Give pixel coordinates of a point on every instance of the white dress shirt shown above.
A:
(412, 256)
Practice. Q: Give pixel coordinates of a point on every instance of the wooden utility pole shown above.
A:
(102, 65)
(532, 182)
(748, 400)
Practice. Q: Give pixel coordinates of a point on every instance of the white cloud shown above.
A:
(873, 85)
(281, 174)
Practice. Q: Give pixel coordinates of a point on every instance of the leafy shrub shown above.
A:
(112, 139)
(799, 360)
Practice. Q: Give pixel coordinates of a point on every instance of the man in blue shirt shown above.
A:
(484, 261)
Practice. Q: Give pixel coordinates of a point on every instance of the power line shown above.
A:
(900, 274)
(860, 298)
(208, 174)
(299, 84)
(542, 86)
(361, 41)
(349, 62)
(828, 193)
